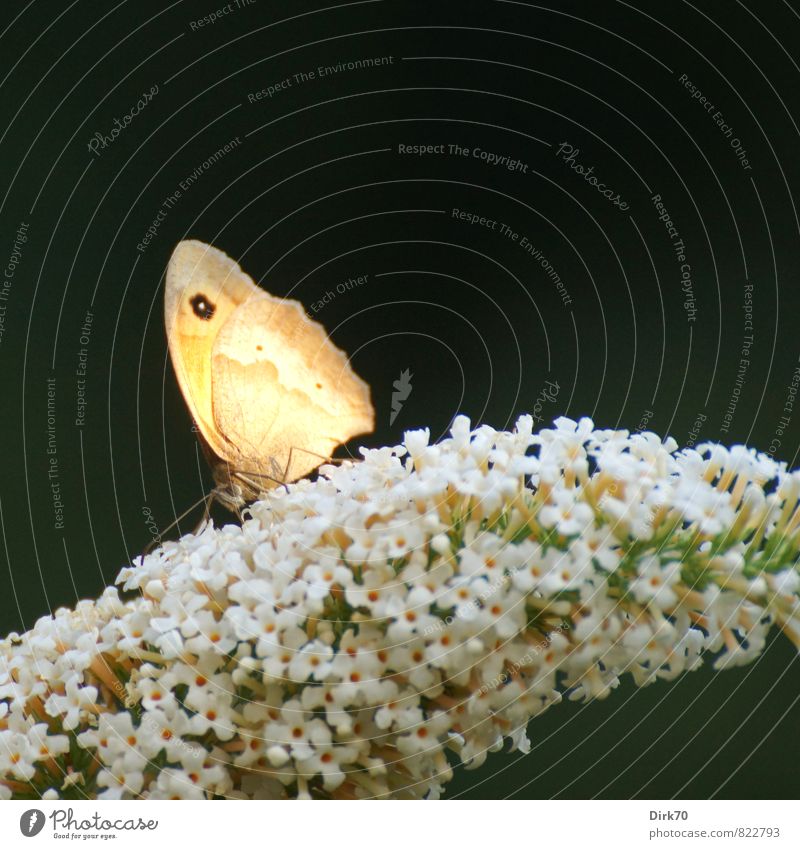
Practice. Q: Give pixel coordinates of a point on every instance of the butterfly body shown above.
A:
(270, 393)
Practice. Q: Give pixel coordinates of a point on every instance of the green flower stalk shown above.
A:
(360, 633)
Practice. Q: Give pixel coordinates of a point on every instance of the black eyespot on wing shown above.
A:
(202, 307)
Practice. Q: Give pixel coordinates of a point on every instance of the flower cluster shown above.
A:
(359, 634)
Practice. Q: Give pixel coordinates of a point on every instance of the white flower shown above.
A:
(328, 760)
(74, 704)
(17, 755)
(124, 778)
(655, 582)
(299, 731)
(416, 441)
(425, 735)
(312, 661)
(566, 515)
(428, 598)
(410, 615)
(114, 735)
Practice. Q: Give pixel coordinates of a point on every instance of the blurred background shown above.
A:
(592, 205)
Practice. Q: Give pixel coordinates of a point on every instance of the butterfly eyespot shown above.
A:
(202, 307)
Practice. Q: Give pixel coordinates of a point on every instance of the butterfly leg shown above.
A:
(209, 500)
(246, 477)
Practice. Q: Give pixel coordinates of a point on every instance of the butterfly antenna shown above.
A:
(326, 457)
(206, 499)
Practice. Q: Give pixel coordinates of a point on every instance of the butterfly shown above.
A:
(270, 394)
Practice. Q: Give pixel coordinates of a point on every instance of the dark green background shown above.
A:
(317, 193)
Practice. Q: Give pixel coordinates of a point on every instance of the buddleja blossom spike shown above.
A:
(428, 598)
